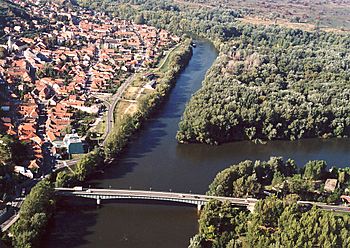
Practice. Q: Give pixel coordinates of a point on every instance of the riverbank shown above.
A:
(287, 193)
(141, 99)
(125, 126)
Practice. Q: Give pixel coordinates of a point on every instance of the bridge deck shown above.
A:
(151, 195)
(195, 199)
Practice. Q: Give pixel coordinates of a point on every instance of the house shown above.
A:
(73, 143)
(345, 198)
(23, 171)
(331, 185)
(151, 85)
(34, 164)
(20, 46)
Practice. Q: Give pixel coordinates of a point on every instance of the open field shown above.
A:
(284, 23)
(328, 15)
(128, 105)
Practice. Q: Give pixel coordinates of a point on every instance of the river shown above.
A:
(154, 161)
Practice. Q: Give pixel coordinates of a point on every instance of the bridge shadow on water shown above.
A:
(147, 202)
(79, 221)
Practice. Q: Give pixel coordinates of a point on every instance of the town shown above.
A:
(57, 69)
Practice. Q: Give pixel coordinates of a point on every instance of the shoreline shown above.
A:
(99, 159)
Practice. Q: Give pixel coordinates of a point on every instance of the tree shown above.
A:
(86, 165)
(5, 153)
(3, 53)
(35, 213)
(246, 186)
(315, 170)
(140, 19)
(63, 179)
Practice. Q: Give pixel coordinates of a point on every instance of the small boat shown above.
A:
(193, 45)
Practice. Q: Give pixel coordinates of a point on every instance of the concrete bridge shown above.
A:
(193, 199)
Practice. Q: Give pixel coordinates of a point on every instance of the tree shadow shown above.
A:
(71, 223)
(143, 143)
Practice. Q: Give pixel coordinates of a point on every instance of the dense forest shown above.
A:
(277, 220)
(274, 223)
(273, 83)
(276, 176)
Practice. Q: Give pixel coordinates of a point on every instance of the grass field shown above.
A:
(328, 15)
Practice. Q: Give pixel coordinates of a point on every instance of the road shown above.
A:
(324, 206)
(150, 193)
(8, 223)
(115, 99)
(17, 203)
(166, 57)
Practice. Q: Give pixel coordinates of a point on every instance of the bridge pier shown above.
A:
(98, 201)
(199, 207)
(250, 207)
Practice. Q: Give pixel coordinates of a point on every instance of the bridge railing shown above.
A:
(143, 193)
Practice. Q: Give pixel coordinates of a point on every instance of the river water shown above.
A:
(154, 161)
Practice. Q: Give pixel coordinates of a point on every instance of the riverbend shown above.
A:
(154, 161)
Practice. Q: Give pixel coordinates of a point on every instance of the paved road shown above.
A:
(9, 222)
(115, 99)
(335, 208)
(17, 203)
